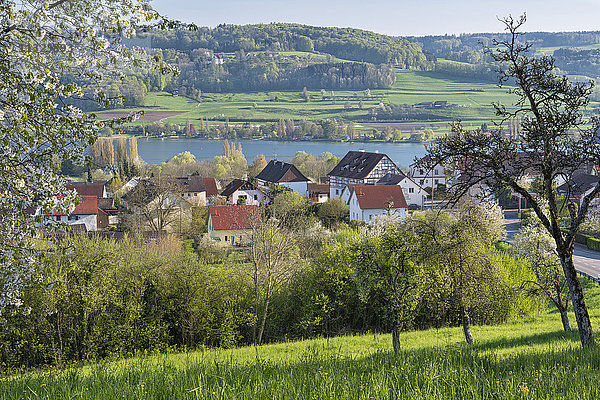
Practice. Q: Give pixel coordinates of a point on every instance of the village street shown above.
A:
(586, 261)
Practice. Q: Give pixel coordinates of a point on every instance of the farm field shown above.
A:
(474, 99)
(531, 358)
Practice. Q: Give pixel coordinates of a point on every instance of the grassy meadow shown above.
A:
(530, 358)
(411, 87)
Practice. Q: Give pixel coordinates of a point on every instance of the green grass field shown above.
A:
(411, 87)
(530, 358)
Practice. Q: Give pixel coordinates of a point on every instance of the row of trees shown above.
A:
(254, 73)
(298, 279)
(224, 129)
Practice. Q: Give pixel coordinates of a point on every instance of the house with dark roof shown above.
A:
(368, 201)
(233, 224)
(359, 168)
(191, 188)
(578, 186)
(242, 192)
(279, 173)
(318, 192)
(212, 189)
(97, 189)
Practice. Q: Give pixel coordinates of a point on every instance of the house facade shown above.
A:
(318, 192)
(428, 177)
(414, 194)
(369, 201)
(359, 168)
(241, 192)
(233, 224)
(84, 214)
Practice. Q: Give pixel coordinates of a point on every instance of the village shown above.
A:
(370, 185)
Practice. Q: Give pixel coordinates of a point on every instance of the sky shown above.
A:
(397, 18)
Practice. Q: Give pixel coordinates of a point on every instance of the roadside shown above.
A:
(587, 262)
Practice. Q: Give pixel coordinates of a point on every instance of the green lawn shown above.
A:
(530, 358)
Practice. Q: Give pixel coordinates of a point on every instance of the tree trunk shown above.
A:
(263, 322)
(396, 339)
(466, 322)
(562, 308)
(565, 320)
(581, 315)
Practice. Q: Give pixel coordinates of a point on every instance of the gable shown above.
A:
(279, 171)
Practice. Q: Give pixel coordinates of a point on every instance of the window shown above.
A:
(437, 181)
(337, 191)
(435, 172)
(73, 217)
(225, 237)
(255, 197)
(421, 181)
(57, 217)
(370, 217)
(411, 190)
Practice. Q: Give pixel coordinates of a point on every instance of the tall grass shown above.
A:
(525, 359)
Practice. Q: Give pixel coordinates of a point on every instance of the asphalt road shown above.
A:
(586, 261)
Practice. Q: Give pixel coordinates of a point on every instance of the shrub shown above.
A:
(593, 243)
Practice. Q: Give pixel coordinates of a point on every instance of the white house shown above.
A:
(318, 192)
(359, 168)
(279, 173)
(85, 213)
(413, 192)
(427, 177)
(239, 191)
(368, 201)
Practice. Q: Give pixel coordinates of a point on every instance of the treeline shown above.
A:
(282, 129)
(346, 43)
(580, 62)
(398, 112)
(268, 72)
(469, 48)
(442, 46)
(482, 71)
(103, 298)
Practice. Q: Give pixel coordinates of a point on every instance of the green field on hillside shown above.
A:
(531, 358)
(473, 97)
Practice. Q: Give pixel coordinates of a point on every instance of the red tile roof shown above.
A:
(378, 196)
(211, 186)
(89, 206)
(234, 217)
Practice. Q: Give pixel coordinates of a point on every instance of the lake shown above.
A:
(156, 150)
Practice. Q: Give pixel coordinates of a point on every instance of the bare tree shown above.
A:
(157, 203)
(556, 140)
(274, 259)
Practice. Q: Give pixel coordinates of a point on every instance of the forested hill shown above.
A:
(576, 53)
(346, 43)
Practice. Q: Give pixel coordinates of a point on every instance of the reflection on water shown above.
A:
(154, 150)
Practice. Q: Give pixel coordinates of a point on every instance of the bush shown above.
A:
(582, 238)
(593, 243)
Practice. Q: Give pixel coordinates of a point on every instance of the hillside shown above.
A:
(529, 358)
